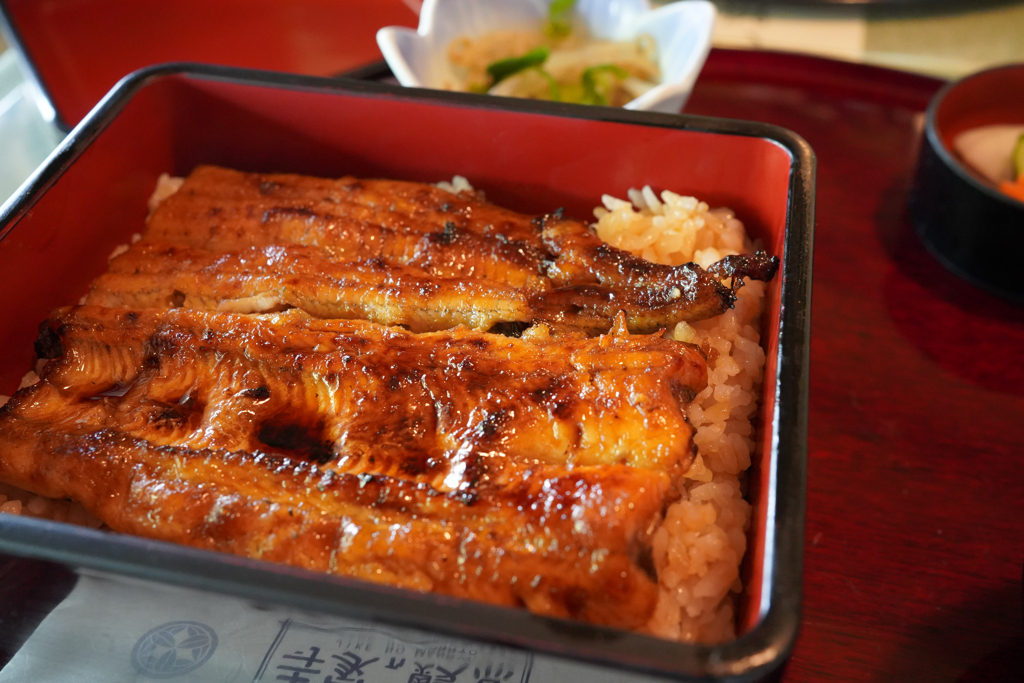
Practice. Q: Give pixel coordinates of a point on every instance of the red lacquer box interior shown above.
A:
(57, 232)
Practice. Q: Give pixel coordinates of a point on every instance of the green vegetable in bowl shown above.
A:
(558, 61)
(598, 81)
(503, 68)
(558, 24)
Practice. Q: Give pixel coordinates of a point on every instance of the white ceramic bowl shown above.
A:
(682, 31)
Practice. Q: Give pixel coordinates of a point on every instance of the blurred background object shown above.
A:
(942, 38)
(26, 138)
(934, 37)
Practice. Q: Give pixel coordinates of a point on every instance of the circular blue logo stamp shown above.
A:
(173, 649)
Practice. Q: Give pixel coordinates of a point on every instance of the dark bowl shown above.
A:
(964, 220)
(57, 231)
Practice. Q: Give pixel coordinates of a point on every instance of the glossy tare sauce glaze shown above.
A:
(561, 271)
(536, 467)
(300, 370)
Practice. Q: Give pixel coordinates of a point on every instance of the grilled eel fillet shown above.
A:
(274, 278)
(582, 281)
(516, 471)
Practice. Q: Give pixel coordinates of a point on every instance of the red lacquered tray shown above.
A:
(915, 498)
(915, 501)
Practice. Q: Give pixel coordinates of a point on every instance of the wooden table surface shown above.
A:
(915, 501)
(915, 494)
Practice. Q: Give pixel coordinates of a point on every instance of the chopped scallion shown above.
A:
(503, 68)
(595, 88)
(558, 24)
(554, 91)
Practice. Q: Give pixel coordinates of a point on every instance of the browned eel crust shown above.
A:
(517, 471)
